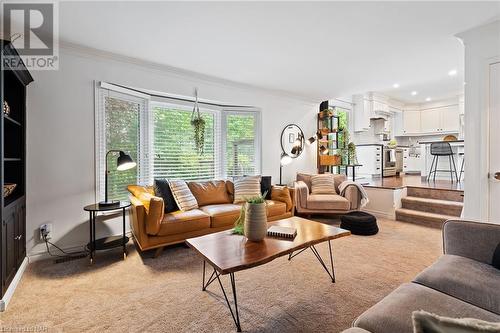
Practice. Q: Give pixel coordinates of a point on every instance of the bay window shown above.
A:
(159, 136)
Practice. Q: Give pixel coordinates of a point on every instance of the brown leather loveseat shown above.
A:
(153, 229)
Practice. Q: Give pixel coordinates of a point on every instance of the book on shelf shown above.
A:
(282, 232)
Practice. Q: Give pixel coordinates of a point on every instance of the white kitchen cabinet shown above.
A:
(397, 124)
(361, 114)
(430, 121)
(370, 159)
(450, 120)
(437, 120)
(411, 122)
(411, 163)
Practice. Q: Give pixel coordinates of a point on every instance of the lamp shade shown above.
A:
(323, 150)
(124, 162)
(285, 159)
(311, 140)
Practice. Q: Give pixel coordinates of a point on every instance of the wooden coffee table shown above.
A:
(228, 253)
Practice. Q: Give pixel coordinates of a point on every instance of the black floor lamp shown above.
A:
(123, 162)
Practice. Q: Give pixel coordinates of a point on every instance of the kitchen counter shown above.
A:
(457, 147)
(429, 142)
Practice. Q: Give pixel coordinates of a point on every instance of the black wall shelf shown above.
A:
(13, 84)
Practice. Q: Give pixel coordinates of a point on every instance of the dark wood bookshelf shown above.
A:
(12, 164)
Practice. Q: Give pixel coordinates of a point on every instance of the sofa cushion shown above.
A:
(306, 178)
(327, 202)
(136, 190)
(425, 322)
(182, 194)
(469, 280)
(282, 193)
(355, 330)
(210, 192)
(180, 222)
(275, 208)
(162, 189)
(246, 187)
(222, 215)
(393, 313)
(323, 184)
(266, 186)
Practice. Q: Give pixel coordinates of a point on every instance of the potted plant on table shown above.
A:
(253, 219)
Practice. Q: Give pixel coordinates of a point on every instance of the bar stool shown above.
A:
(462, 167)
(442, 149)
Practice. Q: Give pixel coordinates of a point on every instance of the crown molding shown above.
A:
(195, 77)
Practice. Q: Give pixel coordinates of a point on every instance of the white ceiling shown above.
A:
(320, 50)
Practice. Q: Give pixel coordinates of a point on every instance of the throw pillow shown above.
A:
(182, 194)
(425, 322)
(246, 187)
(136, 190)
(306, 178)
(210, 192)
(323, 184)
(265, 186)
(162, 189)
(282, 193)
(496, 257)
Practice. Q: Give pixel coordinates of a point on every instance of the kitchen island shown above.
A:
(457, 147)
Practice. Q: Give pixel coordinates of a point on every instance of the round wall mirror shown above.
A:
(292, 140)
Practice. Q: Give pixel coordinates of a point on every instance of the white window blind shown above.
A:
(241, 144)
(160, 138)
(175, 154)
(119, 128)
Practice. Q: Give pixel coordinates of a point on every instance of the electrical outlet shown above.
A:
(45, 231)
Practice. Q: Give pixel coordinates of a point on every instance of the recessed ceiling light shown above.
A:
(414, 93)
(453, 72)
(395, 85)
(428, 99)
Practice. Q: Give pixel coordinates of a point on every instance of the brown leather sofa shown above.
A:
(154, 229)
(307, 203)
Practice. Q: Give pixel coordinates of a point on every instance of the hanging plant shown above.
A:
(198, 124)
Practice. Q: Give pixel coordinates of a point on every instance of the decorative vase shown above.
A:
(255, 221)
(6, 108)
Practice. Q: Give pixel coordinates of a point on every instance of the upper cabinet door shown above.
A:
(411, 122)
(431, 121)
(450, 119)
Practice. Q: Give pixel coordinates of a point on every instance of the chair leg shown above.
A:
(435, 168)
(430, 170)
(451, 168)
(455, 168)
(461, 169)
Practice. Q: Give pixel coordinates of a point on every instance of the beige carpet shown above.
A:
(142, 294)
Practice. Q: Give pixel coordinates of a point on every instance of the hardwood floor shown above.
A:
(396, 182)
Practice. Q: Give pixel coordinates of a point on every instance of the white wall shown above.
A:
(482, 47)
(60, 141)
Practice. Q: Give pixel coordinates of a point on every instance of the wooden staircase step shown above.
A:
(436, 206)
(422, 218)
(434, 193)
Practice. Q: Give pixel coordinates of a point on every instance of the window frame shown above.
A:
(257, 136)
(145, 153)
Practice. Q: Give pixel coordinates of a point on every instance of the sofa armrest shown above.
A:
(150, 211)
(474, 240)
(352, 195)
(301, 194)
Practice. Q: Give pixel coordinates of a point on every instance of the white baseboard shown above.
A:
(13, 285)
(385, 215)
(38, 256)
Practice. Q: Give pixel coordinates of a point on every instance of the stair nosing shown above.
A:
(435, 201)
(427, 214)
